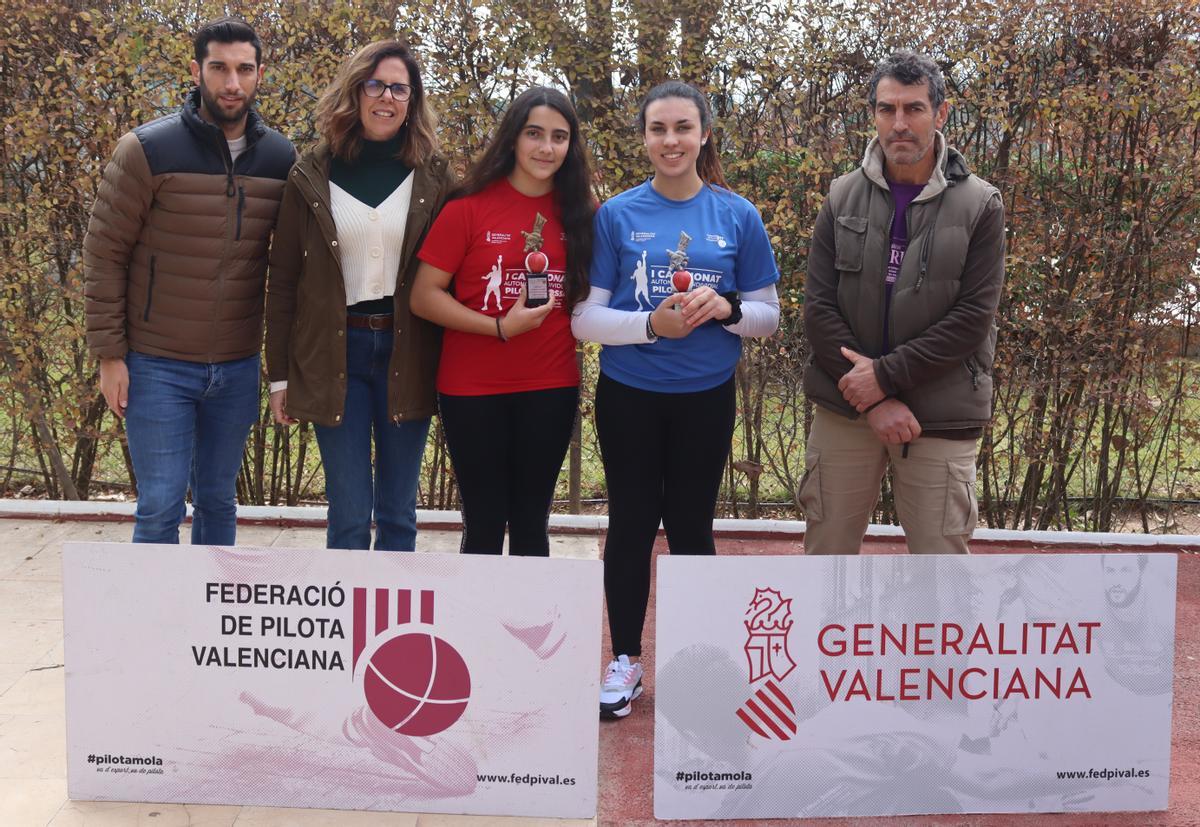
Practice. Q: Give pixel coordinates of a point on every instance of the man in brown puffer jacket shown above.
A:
(904, 278)
(175, 260)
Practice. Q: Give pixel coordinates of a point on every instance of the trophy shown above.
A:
(537, 283)
(681, 279)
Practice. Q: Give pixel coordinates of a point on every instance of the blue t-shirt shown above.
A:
(636, 233)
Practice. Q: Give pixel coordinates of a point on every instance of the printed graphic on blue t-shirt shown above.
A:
(641, 239)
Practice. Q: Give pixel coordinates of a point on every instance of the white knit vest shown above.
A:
(370, 239)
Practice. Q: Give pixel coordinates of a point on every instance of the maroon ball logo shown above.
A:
(417, 684)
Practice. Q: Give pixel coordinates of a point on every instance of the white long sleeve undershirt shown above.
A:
(594, 321)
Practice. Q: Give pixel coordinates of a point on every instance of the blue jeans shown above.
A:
(187, 424)
(353, 487)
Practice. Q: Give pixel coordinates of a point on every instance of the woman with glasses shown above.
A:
(343, 350)
(503, 266)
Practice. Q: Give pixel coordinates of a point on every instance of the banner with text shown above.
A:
(339, 679)
(894, 684)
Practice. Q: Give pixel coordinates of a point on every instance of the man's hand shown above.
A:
(893, 422)
(669, 323)
(859, 386)
(279, 408)
(114, 384)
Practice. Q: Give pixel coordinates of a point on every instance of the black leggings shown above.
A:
(507, 450)
(664, 454)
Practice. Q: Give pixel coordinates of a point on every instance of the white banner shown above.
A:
(339, 679)
(897, 684)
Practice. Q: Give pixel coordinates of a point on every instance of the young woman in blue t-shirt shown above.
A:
(682, 269)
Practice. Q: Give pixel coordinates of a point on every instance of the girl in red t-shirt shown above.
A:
(508, 384)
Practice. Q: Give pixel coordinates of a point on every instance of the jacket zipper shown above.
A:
(924, 262)
(226, 254)
(149, 291)
(928, 243)
(240, 206)
(884, 322)
(227, 159)
(974, 372)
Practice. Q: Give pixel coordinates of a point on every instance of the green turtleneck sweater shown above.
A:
(374, 174)
(371, 178)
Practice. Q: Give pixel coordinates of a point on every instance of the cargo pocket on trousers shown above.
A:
(962, 509)
(809, 492)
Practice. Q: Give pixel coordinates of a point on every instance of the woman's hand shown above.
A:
(669, 323)
(521, 319)
(704, 304)
(279, 408)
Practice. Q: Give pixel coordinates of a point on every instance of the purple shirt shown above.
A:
(902, 194)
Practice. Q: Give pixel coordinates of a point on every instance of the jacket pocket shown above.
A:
(962, 509)
(149, 291)
(809, 492)
(849, 238)
(973, 369)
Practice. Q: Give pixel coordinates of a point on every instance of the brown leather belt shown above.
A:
(382, 321)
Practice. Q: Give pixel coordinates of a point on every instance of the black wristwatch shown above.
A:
(735, 308)
(651, 336)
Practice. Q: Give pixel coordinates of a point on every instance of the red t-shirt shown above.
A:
(478, 239)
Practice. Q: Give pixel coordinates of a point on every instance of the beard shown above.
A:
(1130, 596)
(906, 154)
(219, 114)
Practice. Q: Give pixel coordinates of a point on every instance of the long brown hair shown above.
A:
(338, 119)
(572, 181)
(708, 163)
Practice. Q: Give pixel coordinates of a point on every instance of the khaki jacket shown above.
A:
(941, 323)
(175, 255)
(306, 300)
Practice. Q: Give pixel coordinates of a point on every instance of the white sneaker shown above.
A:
(622, 683)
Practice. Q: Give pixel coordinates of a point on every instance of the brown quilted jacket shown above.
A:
(175, 255)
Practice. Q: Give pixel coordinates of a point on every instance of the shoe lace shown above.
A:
(617, 671)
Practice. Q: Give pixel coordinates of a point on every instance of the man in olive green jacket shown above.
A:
(905, 275)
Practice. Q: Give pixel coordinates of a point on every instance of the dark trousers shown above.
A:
(507, 451)
(664, 454)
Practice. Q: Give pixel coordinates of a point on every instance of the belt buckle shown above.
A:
(378, 322)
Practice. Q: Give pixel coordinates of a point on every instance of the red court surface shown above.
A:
(627, 746)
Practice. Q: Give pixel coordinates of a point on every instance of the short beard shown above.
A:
(1130, 596)
(213, 107)
(911, 161)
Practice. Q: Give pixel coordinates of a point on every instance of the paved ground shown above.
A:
(627, 746)
(32, 733)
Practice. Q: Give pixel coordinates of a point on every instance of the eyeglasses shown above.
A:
(374, 89)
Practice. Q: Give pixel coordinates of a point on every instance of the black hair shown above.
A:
(911, 69)
(1143, 560)
(708, 164)
(572, 181)
(225, 30)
